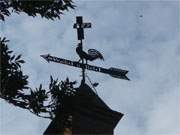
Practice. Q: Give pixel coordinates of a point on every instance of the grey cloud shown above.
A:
(148, 47)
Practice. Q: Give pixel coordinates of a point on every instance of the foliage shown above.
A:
(49, 9)
(39, 101)
(58, 97)
(61, 94)
(46, 103)
(14, 84)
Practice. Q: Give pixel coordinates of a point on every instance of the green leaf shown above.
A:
(12, 57)
(25, 87)
(9, 51)
(40, 87)
(18, 57)
(21, 61)
(18, 65)
(51, 79)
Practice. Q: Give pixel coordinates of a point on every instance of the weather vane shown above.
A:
(85, 57)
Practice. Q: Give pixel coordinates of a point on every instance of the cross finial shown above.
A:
(79, 25)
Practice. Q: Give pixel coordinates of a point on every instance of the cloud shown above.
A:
(148, 46)
(164, 118)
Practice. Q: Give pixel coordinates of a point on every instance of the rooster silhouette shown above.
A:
(91, 55)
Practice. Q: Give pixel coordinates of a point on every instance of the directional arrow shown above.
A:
(114, 72)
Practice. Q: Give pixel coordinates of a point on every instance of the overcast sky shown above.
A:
(142, 37)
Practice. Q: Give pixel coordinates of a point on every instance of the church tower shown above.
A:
(86, 114)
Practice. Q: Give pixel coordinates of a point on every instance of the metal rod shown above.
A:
(83, 69)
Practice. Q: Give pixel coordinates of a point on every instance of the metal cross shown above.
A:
(79, 25)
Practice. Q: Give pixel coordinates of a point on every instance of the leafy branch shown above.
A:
(49, 9)
(41, 102)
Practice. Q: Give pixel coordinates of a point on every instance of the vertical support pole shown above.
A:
(83, 69)
(79, 25)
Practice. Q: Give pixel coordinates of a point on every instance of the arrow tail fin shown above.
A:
(120, 77)
(119, 73)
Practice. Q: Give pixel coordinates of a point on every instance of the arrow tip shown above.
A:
(46, 57)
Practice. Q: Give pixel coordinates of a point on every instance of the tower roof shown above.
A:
(89, 114)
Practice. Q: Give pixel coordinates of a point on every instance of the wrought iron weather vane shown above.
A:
(91, 55)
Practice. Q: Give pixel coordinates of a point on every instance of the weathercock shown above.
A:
(91, 55)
